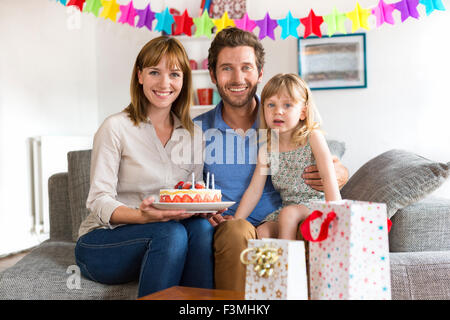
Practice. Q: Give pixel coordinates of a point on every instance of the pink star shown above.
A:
(245, 23)
(127, 14)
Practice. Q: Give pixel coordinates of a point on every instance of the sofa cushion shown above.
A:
(79, 164)
(43, 274)
(420, 275)
(336, 147)
(397, 178)
(422, 226)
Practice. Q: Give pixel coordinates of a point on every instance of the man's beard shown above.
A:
(237, 103)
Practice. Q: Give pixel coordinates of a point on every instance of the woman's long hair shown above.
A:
(149, 56)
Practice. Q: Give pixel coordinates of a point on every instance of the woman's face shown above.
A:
(161, 84)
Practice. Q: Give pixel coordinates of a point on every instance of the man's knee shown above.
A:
(234, 233)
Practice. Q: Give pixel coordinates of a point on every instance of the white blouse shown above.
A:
(129, 163)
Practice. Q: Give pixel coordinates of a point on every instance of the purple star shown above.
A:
(266, 27)
(408, 8)
(146, 17)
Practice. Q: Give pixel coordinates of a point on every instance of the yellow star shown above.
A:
(263, 289)
(223, 22)
(110, 10)
(359, 18)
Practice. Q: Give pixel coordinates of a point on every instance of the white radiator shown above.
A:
(49, 156)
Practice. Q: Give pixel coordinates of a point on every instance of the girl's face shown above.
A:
(161, 84)
(283, 113)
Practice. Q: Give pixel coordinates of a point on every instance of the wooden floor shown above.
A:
(11, 260)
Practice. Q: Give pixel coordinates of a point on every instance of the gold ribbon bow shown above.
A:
(264, 259)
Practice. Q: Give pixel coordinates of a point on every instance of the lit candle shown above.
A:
(193, 181)
(212, 181)
(207, 180)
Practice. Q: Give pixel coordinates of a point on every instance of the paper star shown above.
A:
(431, 5)
(110, 9)
(312, 24)
(146, 17)
(407, 8)
(128, 14)
(359, 18)
(92, 6)
(335, 22)
(76, 3)
(63, 2)
(165, 21)
(204, 24)
(183, 24)
(245, 23)
(289, 26)
(223, 22)
(383, 13)
(266, 27)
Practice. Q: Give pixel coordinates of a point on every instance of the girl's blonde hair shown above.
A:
(298, 90)
(149, 56)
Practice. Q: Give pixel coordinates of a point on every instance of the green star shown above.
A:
(204, 24)
(92, 6)
(335, 22)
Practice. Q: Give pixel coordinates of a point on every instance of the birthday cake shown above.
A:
(183, 192)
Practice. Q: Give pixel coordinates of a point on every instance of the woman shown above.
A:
(125, 238)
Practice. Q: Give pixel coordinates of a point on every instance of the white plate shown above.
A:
(195, 207)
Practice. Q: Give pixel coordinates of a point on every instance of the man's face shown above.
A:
(237, 76)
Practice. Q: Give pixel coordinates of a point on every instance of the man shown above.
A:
(235, 62)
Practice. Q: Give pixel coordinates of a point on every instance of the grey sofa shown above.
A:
(419, 269)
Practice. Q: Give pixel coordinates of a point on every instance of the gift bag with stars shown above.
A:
(276, 270)
(348, 250)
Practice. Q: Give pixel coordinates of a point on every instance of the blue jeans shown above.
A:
(160, 255)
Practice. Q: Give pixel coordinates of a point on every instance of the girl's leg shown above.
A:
(199, 266)
(289, 219)
(267, 229)
(154, 253)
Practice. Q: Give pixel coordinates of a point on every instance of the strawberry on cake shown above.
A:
(183, 192)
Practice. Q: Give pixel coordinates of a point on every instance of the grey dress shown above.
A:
(287, 178)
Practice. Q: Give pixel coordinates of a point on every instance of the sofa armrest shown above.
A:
(59, 207)
(421, 226)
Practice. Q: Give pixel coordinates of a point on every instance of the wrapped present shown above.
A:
(348, 250)
(235, 8)
(276, 270)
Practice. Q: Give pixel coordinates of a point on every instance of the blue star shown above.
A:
(431, 5)
(165, 21)
(289, 26)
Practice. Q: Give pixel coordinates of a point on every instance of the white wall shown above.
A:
(406, 102)
(56, 81)
(48, 86)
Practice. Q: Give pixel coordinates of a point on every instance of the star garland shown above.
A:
(205, 26)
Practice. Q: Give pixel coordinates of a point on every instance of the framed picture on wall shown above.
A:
(337, 62)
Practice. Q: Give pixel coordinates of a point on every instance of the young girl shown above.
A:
(288, 109)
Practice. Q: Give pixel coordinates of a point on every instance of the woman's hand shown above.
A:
(149, 213)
